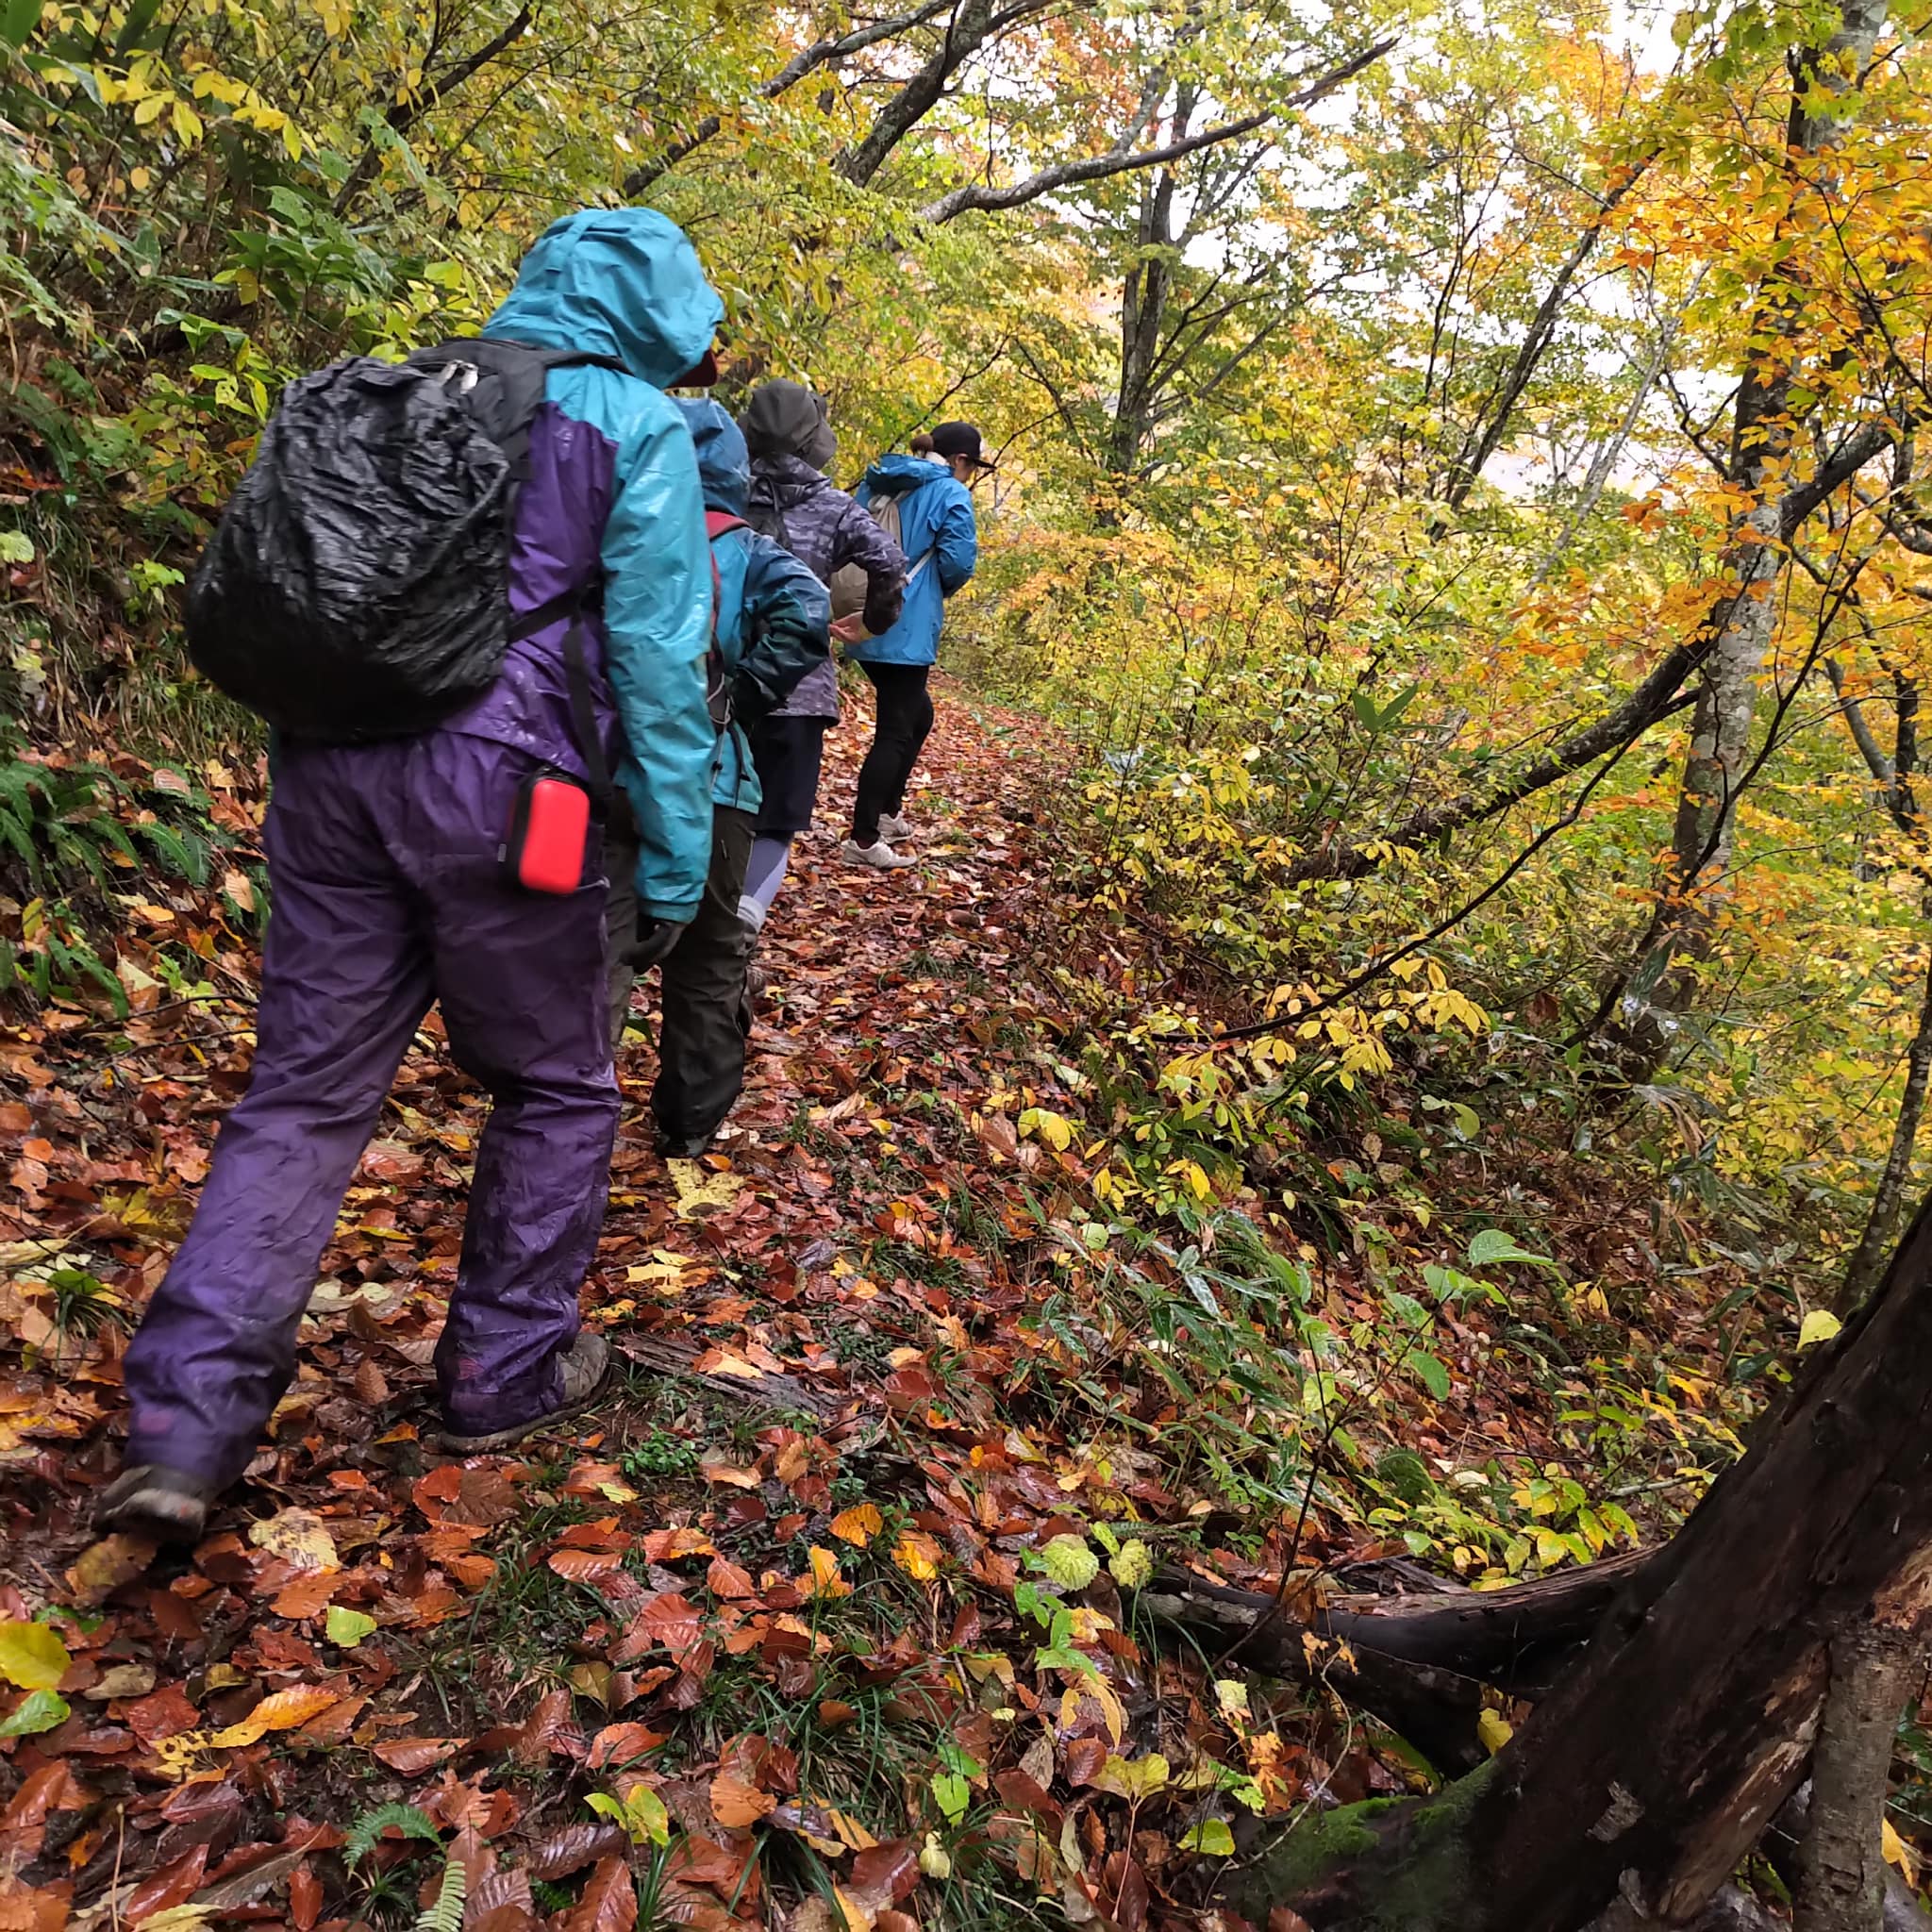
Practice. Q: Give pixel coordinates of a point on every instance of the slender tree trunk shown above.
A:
(1663, 983)
(1888, 1201)
(1655, 1766)
(1143, 309)
(1841, 1878)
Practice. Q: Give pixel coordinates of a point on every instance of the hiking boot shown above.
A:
(586, 1366)
(165, 1505)
(672, 1146)
(879, 857)
(896, 825)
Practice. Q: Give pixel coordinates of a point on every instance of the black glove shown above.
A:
(656, 938)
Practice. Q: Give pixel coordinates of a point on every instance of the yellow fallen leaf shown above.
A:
(1821, 1325)
(1896, 1851)
(919, 1555)
(699, 1187)
(858, 1524)
(825, 1580)
(300, 1537)
(1494, 1730)
(32, 1656)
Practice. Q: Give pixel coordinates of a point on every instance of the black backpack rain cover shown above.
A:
(357, 586)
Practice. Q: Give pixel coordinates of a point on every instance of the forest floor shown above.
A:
(782, 1634)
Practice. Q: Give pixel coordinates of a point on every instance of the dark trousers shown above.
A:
(701, 1043)
(904, 717)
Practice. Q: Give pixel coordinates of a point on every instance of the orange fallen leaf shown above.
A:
(858, 1524)
(825, 1580)
(738, 1806)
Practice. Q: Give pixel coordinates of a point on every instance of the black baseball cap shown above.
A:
(958, 439)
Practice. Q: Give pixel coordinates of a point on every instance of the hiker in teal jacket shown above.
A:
(931, 489)
(388, 895)
(773, 627)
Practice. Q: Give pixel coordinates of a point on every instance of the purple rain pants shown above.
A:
(387, 895)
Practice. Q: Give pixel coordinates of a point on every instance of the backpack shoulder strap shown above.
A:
(718, 522)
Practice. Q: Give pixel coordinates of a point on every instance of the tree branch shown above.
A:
(821, 52)
(978, 198)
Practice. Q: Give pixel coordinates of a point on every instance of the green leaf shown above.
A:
(446, 1914)
(15, 547)
(347, 1627)
(1491, 1245)
(1132, 1565)
(1211, 1837)
(39, 1710)
(16, 25)
(1431, 1373)
(369, 1826)
(953, 1793)
(32, 1656)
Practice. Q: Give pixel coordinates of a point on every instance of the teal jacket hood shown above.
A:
(895, 475)
(724, 462)
(622, 282)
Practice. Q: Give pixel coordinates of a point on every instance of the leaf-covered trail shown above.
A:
(829, 1618)
(746, 1608)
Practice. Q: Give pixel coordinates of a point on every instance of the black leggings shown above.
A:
(904, 717)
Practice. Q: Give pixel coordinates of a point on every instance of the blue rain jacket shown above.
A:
(936, 521)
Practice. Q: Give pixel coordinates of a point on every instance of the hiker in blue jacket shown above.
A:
(773, 629)
(931, 489)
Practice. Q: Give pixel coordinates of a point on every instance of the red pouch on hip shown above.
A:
(549, 827)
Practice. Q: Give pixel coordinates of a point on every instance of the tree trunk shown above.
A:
(1662, 983)
(1841, 1876)
(1657, 1764)
(1143, 309)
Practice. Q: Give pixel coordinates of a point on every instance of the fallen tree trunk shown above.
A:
(1418, 1662)
(1656, 1764)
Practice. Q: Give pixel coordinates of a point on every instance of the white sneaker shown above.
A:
(897, 825)
(881, 857)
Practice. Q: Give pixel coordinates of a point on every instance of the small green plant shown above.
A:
(367, 1830)
(84, 1305)
(659, 1454)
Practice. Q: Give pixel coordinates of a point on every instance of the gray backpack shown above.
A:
(849, 581)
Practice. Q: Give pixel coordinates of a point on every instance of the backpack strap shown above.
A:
(718, 522)
(577, 676)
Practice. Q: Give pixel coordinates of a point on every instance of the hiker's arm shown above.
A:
(657, 630)
(956, 549)
(788, 613)
(870, 545)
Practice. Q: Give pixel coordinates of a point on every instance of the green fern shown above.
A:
(369, 1826)
(446, 1914)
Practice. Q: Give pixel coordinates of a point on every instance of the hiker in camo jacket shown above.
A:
(792, 501)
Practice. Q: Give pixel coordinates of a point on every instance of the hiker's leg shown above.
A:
(882, 778)
(524, 983)
(764, 873)
(344, 983)
(915, 716)
(700, 1046)
(620, 912)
